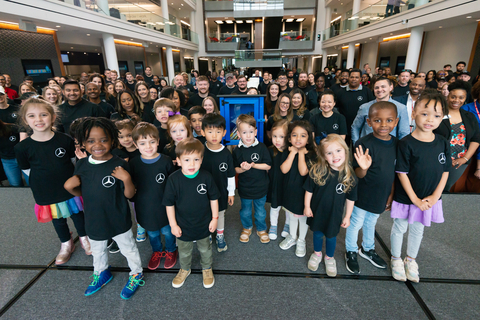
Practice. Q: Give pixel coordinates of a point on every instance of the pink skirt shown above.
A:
(414, 214)
(59, 210)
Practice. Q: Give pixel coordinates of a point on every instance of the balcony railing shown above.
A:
(295, 40)
(257, 5)
(258, 55)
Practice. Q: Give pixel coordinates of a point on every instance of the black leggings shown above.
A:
(61, 226)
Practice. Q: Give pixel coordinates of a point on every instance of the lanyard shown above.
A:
(476, 109)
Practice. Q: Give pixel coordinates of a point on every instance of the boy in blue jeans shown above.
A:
(149, 173)
(252, 162)
(374, 165)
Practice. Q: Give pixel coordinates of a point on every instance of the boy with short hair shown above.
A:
(374, 164)
(162, 109)
(252, 161)
(219, 162)
(195, 116)
(149, 173)
(185, 187)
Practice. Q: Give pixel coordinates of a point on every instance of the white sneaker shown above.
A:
(285, 231)
(288, 242)
(411, 270)
(331, 267)
(314, 261)
(398, 270)
(301, 249)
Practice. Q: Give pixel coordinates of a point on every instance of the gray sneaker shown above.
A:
(331, 267)
(301, 249)
(314, 262)
(398, 270)
(288, 242)
(285, 231)
(411, 270)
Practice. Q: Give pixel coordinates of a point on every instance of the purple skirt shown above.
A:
(414, 214)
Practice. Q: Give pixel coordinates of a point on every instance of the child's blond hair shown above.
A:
(175, 121)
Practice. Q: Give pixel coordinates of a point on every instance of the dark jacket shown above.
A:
(403, 99)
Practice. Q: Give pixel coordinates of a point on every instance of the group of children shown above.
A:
(182, 189)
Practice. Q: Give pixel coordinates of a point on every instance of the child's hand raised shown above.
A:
(364, 160)
(80, 153)
(245, 166)
(293, 150)
(121, 174)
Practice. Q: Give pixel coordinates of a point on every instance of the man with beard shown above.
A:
(215, 85)
(416, 88)
(303, 82)
(402, 87)
(343, 82)
(283, 81)
(262, 87)
(439, 79)
(203, 86)
(92, 90)
(329, 79)
(460, 67)
(241, 85)
(230, 86)
(312, 95)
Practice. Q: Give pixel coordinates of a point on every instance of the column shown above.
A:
(182, 61)
(103, 6)
(162, 72)
(414, 47)
(328, 17)
(324, 59)
(170, 67)
(110, 52)
(355, 10)
(309, 64)
(209, 62)
(192, 21)
(195, 61)
(164, 5)
(350, 55)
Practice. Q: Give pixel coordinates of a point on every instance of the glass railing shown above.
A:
(295, 36)
(373, 13)
(258, 55)
(147, 15)
(224, 37)
(248, 5)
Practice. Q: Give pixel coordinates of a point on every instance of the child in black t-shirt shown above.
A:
(195, 116)
(105, 184)
(295, 164)
(331, 183)
(252, 161)
(374, 164)
(149, 173)
(178, 129)
(163, 108)
(219, 162)
(47, 158)
(423, 163)
(191, 198)
(328, 121)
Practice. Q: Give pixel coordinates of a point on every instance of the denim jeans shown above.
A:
(260, 213)
(13, 172)
(331, 243)
(389, 10)
(415, 235)
(361, 218)
(156, 241)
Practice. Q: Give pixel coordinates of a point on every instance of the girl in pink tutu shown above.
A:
(423, 161)
(47, 158)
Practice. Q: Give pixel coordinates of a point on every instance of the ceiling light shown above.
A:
(71, 47)
(57, 26)
(239, 21)
(229, 21)
(289, 20)
(249, 21)
(440, 27)
(401, 36)
(218, 21)
(88, 34)
(131, 39)
(337, 18)
(68, 51)
(185, 23)
(300, 20)
(181, 4)
(469, 17)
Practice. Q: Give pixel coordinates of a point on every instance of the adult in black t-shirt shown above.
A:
(230, 85)
(325, 124)
(203, 86)
(402, 87)
(303, 83)
(312, 95)
(262, 87)
(283, 82)
(241, 86)
(8, 112)
(148, 76)
(215, 85)
(343, 78)
(93, 95)
(130, 81)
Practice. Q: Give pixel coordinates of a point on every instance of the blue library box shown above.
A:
(231, 106)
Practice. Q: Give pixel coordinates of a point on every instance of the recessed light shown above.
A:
(151, 43)
(181, 4)
(57, 27)
(71, 47)
(289, 20)
(131, 39)
(249, 21)
(84, 53)
(218, 21)
(300, 20)
(229, 21)
(88, 34)
(239, 21)
(391, 34)
(469, 17)
(156, 46)
(440, 27)
(370, 38)
(172, 3)
(68, 51)
(99, 54)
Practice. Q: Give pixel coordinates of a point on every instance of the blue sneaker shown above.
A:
(141, 234)
(132, 285)
(221, 244)
(98, 281)
(272, 233)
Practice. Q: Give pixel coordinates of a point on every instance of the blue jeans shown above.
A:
(331, 243)
(389, 10)
(260, 213)
(13, 172)
(361, 218)
(156, 241)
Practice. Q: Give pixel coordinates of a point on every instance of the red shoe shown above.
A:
(155, 260)
(171, 259)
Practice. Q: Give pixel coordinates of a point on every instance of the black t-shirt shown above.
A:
(424, 163)
(269, 113)
(305, 116)
(348, 102)
(253, 183)
(220, 165)
(125, 154)
(8, 142)
(275, 176)
(324, 126)
(374, 189)
(111, 100)
(196, 100)
(327, 204)
(10, 114)
(262, 87)
(170, 152)
(225, 90)
(312, 97)
(237, 91)
(215, 87)
(82, 109)
(164, 140)
(293, 185)
(131, 86)
(107, 213)
(287, 90)
(400, 91)
(150, 180)
(50, 164)
(148, 80)
(191, 198)
(432, 84)
(148, 114)
(107, 108)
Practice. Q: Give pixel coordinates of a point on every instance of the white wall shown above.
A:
(369, 54)
(448, 45)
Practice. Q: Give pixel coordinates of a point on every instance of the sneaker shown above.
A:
(301, 249)
(398, 270)
(132, 285)
(314, 261)
(208, 279)
(272, 233)
(331, 267)
(352, 262)
(288, 242)
(170, 259)
(98, 281)
(179, 279)
(109, 243)
(285, 231)
(114, 248)
(221, 244)
(411, 270)
(141, 234)
(373, 257)
(155, 260)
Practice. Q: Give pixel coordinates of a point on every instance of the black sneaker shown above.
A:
(373, 257)
(109, 243)
(114, 248)
(352, 262)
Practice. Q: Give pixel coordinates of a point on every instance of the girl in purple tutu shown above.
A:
(423, 161)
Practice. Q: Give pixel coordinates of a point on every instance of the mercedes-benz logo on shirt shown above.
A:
(359, 98)
(160, 178)
(340, 188)
(108, 181)
(202, 188)
(60, 152)
(255, 157)
(223, 167)
(441, 158)
(335, 126)
(14, 115)
(12, 138)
